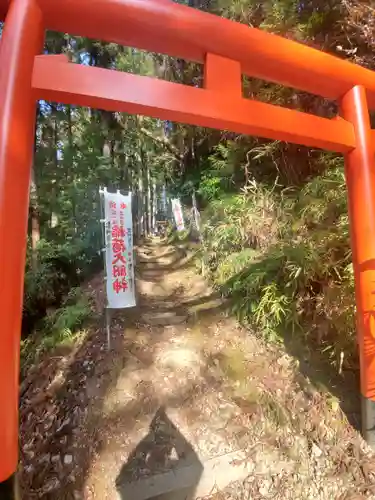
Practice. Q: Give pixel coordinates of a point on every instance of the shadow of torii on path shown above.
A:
(163, 466)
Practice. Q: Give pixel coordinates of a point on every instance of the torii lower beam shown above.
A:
(57, 80)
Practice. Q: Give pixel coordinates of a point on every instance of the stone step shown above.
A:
(163, 318)
(190, 481)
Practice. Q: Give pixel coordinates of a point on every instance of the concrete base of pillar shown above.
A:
(368, 420)
(9, 489)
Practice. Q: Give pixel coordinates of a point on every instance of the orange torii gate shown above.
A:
(227, 49)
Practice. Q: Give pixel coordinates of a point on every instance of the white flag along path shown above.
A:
(119, 250)
(178, 215)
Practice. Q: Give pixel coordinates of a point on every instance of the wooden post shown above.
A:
(22, 39)
(360, 178)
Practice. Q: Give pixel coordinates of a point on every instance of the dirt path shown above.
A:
(186, 405)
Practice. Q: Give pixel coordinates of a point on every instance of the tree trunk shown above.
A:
(154, 206)
(140, 203)
(149, 201)
(146, 193)
(35, 223)
(34, 206)
(71, 147)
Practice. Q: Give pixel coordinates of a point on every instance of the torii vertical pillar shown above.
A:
(360, 178)
(22, 39)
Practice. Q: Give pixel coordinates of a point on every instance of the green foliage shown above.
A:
(62, 325)
(59, 268)
(178, 236)
(285, 260)
(210, 187)
(59, 329)
(234, 264)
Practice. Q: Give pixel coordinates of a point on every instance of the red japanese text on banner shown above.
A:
(119, 250)
(178, 215)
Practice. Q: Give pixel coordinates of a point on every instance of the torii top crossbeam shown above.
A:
(227, 50)
(155, 25)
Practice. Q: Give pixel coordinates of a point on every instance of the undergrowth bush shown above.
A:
(60, 267)
(63, 323)
(284, 258)
(60, 328)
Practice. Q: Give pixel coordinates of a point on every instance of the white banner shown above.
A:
(178, 215)
(119, 250)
